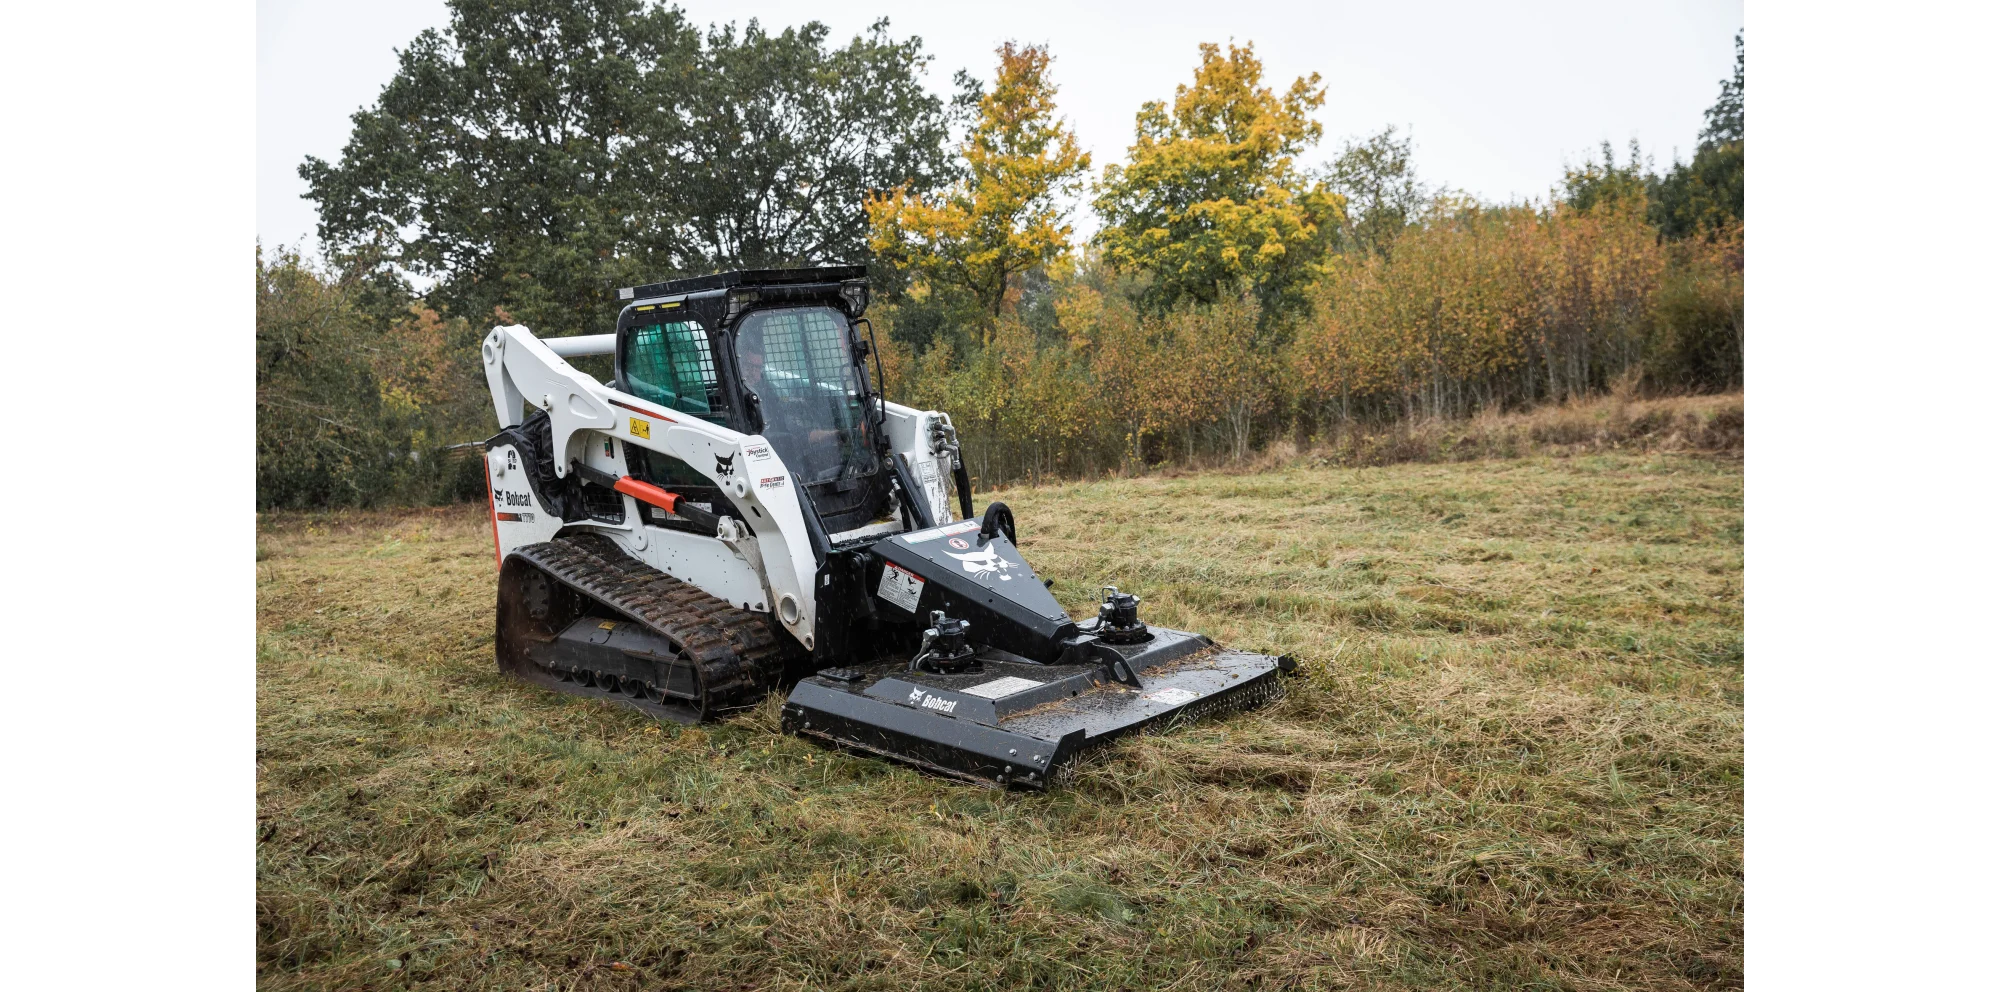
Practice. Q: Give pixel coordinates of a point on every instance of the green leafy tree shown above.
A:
(537, 153)
(1210, 196)
(1725, 119)
(1706, 194)
(1381, 188)
(1605, 181)
(792, 138)
(355, 406)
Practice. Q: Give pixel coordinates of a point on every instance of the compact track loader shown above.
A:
(739, 509)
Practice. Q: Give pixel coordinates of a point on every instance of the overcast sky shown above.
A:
(1499, 96)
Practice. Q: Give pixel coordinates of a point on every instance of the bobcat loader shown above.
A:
(739, 509)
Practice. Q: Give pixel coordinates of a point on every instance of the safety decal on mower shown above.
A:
(901, 587)
(1002, 687)
(936, 532)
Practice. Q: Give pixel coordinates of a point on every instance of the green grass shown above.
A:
(1513, 759)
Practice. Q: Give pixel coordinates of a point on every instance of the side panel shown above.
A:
(706, 563)
(703, 562)
(518, 518)
(910, 437)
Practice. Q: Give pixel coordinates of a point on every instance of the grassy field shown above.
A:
(1513, 759)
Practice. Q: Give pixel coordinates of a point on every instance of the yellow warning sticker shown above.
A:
(641, 428)
(607, 625)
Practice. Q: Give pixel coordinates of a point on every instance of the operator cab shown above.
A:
(776, 352)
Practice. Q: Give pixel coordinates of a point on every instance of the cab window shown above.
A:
(798, 362)
(670, 364)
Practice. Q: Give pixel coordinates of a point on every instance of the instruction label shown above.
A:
(919, 537)
(1001, 687)
(900, 587)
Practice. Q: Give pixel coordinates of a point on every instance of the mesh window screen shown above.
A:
(797, 361)
(804, 353)
(670, 364)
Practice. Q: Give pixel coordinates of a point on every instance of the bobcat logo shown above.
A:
(919, 698)
(725, 466)
(985, 563)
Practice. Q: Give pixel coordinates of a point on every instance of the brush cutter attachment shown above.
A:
(1005, 688)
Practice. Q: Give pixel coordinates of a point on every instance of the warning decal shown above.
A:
(1172, 695)
(918, 537)
(1001, 687)
(901, 587)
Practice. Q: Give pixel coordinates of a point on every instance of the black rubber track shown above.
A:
(738, 656)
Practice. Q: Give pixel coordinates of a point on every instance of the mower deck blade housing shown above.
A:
(1010, 721)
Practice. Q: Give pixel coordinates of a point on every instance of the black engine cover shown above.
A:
(983, 581)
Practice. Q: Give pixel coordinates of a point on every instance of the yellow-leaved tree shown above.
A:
(1008, 216)
(1210, 195)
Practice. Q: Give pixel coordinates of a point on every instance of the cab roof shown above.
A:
(745, 277)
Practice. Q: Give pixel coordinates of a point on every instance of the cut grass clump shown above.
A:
(1512, 759)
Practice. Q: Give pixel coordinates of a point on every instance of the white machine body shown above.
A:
(770, 568)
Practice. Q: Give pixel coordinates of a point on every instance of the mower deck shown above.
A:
(1010, 721)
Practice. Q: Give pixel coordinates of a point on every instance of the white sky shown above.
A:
(1498, 97)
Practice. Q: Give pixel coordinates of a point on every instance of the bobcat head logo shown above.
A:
(985, 563)
(725, 466)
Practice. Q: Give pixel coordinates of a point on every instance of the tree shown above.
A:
(793, 139)
(1124, 355)
(1008, 215)
(1706, 195)
(538, 153)
(1223, 372)
(355, 407)
(1209, 195)
(1606, 181)
(1725, 119)
(1382, 192)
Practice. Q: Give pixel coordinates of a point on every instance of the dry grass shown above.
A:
(1514, 761)
(1621, 421)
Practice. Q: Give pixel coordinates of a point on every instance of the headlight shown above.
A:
(856, 295)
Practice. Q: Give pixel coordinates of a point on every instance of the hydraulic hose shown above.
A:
(964, 480)
(920, 510)
(646, 492)
(998, 520)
